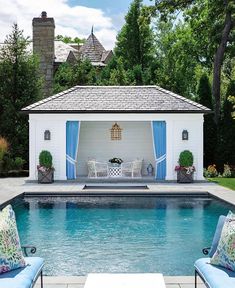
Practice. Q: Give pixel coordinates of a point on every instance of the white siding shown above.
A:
(95, 139)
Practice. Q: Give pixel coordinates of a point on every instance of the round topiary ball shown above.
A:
(45, 159)
(186, 158)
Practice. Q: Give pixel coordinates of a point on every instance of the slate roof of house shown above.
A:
(92, 49)
(62, 51)
(116, 99)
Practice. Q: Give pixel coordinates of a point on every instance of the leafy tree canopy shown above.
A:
(20, 85)
(68, 39)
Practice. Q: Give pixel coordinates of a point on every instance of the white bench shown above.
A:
(117, 280)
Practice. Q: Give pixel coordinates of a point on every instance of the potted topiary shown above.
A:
(45, 168)
(185, 169)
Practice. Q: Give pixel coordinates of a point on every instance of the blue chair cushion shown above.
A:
(217, 235)
(215, 276)
(23, 277)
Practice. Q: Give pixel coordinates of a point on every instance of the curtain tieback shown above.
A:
(160, 159)
(70, 159)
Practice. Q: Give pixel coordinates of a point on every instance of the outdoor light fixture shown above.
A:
(47, 135)
(116, 132)
(185, 135)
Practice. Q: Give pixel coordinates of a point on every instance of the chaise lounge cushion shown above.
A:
(23, 277)
(214, 276)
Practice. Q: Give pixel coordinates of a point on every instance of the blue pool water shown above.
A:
(118, 234)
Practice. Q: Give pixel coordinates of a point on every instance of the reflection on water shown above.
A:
(80, 235)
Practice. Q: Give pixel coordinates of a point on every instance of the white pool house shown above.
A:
(138, 124)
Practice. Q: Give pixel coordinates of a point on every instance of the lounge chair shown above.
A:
(27, 276)
(214, 276)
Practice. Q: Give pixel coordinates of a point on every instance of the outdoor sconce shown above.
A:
(47, 135)
(185, 135)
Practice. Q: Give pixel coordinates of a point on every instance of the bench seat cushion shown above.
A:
(22, 277)
(215, 276)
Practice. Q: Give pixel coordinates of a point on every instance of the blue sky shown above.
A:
(120, 6)
(73, 18)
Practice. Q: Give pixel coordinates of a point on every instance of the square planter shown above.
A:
(183, 177)
(46, 177)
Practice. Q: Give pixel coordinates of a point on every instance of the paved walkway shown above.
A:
(11, 187)
(78, 282)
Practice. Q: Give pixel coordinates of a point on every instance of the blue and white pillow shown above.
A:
(225, 253)
(11, 256)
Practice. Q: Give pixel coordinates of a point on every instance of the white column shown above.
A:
(169, 150)
(32, 149)
(62, 155)
(199, 172)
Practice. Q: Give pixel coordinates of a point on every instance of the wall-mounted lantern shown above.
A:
(185, 135)
(47, 135)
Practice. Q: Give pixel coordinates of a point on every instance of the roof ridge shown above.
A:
(116, 86)
(194, 103)
(56, 96)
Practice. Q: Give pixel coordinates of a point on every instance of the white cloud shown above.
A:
(69, 21)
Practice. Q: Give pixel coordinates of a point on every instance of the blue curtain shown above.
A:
(159, 144)
(72, 138)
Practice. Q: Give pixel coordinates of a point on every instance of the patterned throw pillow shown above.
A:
(225, 253)
(11, 256)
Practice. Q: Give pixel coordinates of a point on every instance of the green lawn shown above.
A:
(226, 182)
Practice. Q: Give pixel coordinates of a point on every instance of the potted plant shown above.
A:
(116, 161)
(185, 169)
(45, 168)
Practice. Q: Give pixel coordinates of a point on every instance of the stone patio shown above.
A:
(78, 282)
(12, 187)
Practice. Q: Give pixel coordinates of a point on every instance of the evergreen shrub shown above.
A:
(45, 159)
(186, 158)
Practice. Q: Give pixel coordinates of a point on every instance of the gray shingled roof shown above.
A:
(92, 49)
(108, 99)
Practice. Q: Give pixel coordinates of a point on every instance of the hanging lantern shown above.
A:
(116, 132)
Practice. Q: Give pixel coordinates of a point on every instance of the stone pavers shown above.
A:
(79, 281)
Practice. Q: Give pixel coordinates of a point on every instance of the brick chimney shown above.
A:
(43, 46)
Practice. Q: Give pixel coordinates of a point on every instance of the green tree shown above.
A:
(20, 85)
(213, 23)
(69, 75)
(135, 40)
(210, 139)
(226, 135)
(232, 101)
(68, 39)
(176, 57)
(63, 78)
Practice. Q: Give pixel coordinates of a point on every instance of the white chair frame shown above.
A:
(133, 169)
(97, 169)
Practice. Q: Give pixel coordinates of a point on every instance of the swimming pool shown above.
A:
(80, 235)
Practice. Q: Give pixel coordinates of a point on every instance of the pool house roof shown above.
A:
(116, 99)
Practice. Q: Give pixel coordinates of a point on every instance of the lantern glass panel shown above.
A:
(116, 132)
(47, 135)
